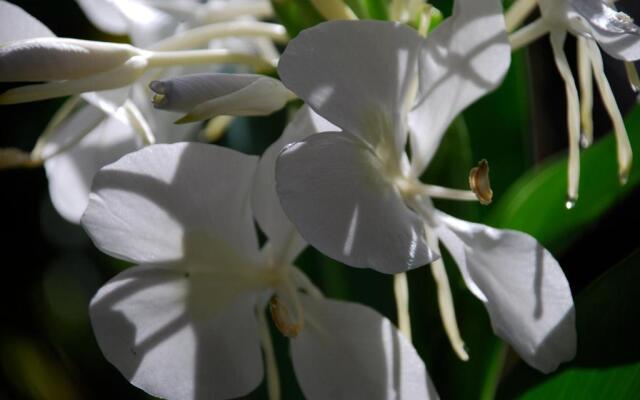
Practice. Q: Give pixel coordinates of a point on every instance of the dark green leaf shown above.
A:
(296, 15)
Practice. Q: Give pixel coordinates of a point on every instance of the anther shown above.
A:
(12, 157)
(282, 318)
(480, 184)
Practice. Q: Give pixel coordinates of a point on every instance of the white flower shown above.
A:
(595, 23)
(204, 96)
(356, 197)
(189, 320)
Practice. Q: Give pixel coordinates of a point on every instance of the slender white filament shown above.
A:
(528, 34)
(573, 115)
(210, 56)
(139, 123)
(401, 291)
(518, 12)
(273, 376)
(632, 75)
(333, 9)
(585, 77)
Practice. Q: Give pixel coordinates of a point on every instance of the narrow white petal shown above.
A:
(333, 188)
(168, 203)
(286, 243)
(466, 57)
(359, 75)
(149, 324)
(17, 24)
(523, 287)
(349, 351)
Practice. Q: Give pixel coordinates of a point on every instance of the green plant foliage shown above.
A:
(607, 365)
(296, 15)
(536, 202)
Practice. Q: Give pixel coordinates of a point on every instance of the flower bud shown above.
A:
(203, 96)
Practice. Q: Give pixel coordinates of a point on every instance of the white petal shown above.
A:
(286, 243)
(349, 351)
(466, 57)
(17, 24)
(105, 15)
(145, 324)
(167, 203)
(333, 189)
(146, 24)
(70, 173)
(523, 287)
(359, 75)
(47, 59)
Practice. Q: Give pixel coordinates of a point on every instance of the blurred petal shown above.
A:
(149, 324)
(466, 57)
(17, 24)
(105, 15)
(71, 172)
(167, 203)
(333, 188)
(359, 75)
(523, 287)
(349, 351)
(66, 59)
(285, 241)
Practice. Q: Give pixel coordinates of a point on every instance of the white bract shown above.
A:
(188, 321)
(204, 96)
(357, 197)
(594, 23)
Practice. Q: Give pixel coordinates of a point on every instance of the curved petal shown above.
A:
(168, 203)
(466, 57)
(71, 172)
(349, 351)
(105, 15)
(523, 287)
(145, 324)
(285, 241)
(333, 189)
(17, 24)
(359, 75)
(146, 24)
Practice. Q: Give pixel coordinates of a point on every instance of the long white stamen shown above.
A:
(334, 9)
(573, 115)
(585, 77)
(410, 188)
(401, 292)
(61, 114)
(273, 376)
(528, 34)
(200, 36)
(632, 75)
(622, 139)
(518, 12)
(209, 56)
(445, 299)
(139, 123)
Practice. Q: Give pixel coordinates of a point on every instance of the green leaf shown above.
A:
(296, 15)
(536, 202)
(607, 365)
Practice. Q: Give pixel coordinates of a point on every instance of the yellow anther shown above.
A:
(282, 318)
(479, 182)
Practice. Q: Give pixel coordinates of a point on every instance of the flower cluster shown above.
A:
(214, 234)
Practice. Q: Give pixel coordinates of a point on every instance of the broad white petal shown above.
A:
(105, 15)
(523, 287)
(359, 75)
(332, 187)
(285, 241)
(17, 24)
(167, 203)
(150, 324)
(465, 58)
(71, 172)
(146, 24)
(22, 61)
(349, 351)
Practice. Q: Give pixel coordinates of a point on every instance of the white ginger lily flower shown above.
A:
(204, 96)
(73, 66)
(594, 23)
(356, 197)
(188, 322)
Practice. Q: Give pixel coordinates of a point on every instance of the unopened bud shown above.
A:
(480, 184)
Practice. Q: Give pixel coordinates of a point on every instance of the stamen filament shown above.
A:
(632, 75)
(585, 76)
(216, 127)
(334, 9)
(415, 187)
(573, 116)
(445, 299)
(202, 35)
(209, 56)
(622, 139)
(528, 34)
(139, 123)
(518, 12)
(273, 375)
(401, 292)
